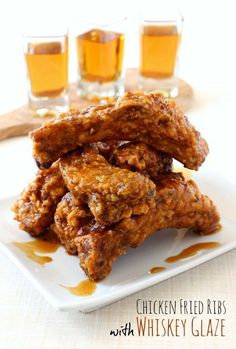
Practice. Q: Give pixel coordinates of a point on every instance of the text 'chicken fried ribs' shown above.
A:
(37, 204)
(110, 192)
(148, 118)
(179, 204)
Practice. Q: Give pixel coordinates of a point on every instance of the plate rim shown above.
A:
(87, 304)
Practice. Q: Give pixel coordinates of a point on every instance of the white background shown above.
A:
(207, 62)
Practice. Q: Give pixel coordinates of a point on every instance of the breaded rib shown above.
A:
(68, 219)
(147, 118)
(111, 193)
(132, 156)
(179, 204)
(136, 156)
(37, 204)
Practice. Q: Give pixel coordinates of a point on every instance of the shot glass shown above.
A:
(100, 52)
(160, 36)
(46, 57)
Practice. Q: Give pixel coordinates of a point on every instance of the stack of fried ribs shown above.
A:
(105, 181)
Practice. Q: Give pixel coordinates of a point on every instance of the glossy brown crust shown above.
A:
(69, 218)
(148, 118)
(35, 215)
(110, 192)
(37, 204)
(141, 158)
(179, 204)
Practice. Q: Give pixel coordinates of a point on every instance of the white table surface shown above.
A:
(208, 64)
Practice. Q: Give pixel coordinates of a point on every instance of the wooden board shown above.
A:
(20, 121)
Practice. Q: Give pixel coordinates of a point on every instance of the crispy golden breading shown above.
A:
(148, 118)
(37, 204)
(110, 184)
(35, 216)
(179, 204)
(141, 158)
(110, 192)
(69, 218)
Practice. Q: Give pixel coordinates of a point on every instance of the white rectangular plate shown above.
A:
(130, 272)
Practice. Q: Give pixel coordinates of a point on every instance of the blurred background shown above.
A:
(207, 58)
(207, 63)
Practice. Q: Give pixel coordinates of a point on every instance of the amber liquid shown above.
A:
(192, 251)
(100, 55)
(47, 65)
(84, 288)
(155, 270)
(159, 48)
(48, 243)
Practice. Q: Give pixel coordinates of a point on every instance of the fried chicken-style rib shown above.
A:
(37, 204)
(141, 158)
(68, 219)
(179, 204)
(132, 156)
(35, 216)
(110, 192)
(135, 156)
(148, 118)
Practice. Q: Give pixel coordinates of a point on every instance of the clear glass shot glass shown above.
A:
(100, 52)
(46, 57)
(160, 37)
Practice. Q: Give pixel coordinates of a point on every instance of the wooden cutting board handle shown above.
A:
(20, 121)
